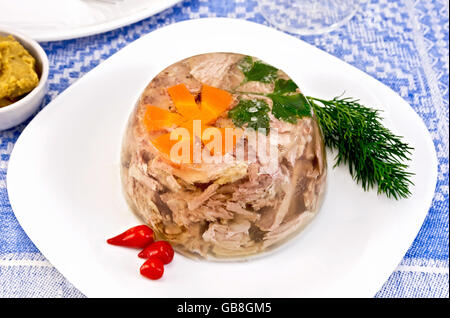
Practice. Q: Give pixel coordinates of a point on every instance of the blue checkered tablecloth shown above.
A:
(404, 44)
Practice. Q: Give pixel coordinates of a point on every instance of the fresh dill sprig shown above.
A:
(372, 152)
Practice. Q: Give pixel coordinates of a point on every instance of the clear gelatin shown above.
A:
(230, 209)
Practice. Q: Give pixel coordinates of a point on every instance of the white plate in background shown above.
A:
(52, 20)
(64, 185)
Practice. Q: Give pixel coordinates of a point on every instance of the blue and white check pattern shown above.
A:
(404, 44)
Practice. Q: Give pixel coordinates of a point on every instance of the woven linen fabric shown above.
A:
(404, 44)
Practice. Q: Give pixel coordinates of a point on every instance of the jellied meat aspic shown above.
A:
(229, 209)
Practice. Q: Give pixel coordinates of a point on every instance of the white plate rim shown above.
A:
(83, 31)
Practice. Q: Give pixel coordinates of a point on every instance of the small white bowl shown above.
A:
(19, 111)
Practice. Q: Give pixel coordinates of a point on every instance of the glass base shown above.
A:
(307, 17)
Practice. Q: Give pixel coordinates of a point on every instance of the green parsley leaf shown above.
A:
(290, 107)
(286, 106)
(257, 71)
(283, 86)
(254, 113)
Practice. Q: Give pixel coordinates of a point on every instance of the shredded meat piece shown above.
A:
(287, 228)
(148, 181)
(231, 236)
(200, 199)
(258, 193)
(237, 208)
(217, 70)
(160, 171)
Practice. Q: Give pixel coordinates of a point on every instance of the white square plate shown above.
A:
(64, 185)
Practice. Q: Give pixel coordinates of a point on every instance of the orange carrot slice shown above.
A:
(156, 118)
(184, 101)
(164, 144)
(215, 100)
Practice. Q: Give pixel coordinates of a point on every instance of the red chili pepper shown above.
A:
(139, 236)
(153, 268)
(160, 249)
